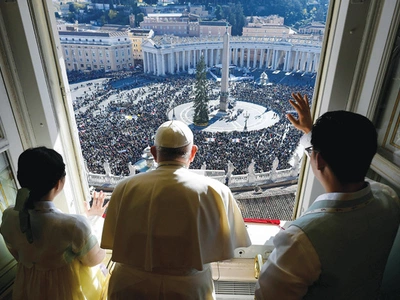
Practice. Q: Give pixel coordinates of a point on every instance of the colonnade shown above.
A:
(275, 56)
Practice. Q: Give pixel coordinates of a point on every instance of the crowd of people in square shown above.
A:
(120, 130)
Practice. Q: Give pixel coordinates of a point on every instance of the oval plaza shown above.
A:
(170, 54)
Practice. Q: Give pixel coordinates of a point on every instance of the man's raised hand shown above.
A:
(304, 120)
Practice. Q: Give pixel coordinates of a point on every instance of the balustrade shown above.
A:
(241, 180)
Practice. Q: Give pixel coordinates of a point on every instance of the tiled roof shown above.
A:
(213, 23)
(94, 33)
(274, 203)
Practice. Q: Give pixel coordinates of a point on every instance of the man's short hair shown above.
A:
(174, 153)
(347, 141)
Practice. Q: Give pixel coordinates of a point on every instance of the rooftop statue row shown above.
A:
(165, 40)
(250, 179)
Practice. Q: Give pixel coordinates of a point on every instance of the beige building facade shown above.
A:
(213, 28)
(183, 25)
(267, 30)
(316, 28)
(138, 36)
(174, 23)
(91, 51)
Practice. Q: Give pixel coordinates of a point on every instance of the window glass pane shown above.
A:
(388, 114)
(250, 145)
(8, 191)
(8, 187)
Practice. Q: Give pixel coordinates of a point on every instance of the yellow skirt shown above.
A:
(71, 282)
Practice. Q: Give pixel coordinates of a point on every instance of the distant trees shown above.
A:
(139, 18)
(118, 12)
(200, 104)
(295, 12)
(236, 18)
(218, 12)
(234, 15)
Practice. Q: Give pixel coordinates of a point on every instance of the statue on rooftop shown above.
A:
(107, 168)
(132, 169)
(275, 164)
(251, 172)
(296, 165)
(228, 177)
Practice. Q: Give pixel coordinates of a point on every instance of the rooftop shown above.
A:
(94, 33)
(274, 203)
(214, 23)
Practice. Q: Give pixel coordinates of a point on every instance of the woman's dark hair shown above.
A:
(39, 170)
(347, 141)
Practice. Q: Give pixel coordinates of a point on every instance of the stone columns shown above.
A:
(236, 57)
(267, 63)
(178, 61)
(285, 65)
(308, 62)
(261, 58)
(296, 61)
(183, 61)
(170, 68)
(255, 58)
(289, 59)
(162, 64)
(303, 61)
(145, 62)
(155, 62)
(273, 60)
(316, 62)
(159, 62)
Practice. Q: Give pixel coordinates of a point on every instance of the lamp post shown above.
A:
(246, 116)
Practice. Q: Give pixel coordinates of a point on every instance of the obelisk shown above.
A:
(223, 100)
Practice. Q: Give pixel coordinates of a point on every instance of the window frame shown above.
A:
(44, 116)
(383, 42)
(350, 78)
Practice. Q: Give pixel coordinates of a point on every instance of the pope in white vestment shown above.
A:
(165, 227)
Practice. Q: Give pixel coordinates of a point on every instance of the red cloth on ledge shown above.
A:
(264, 221)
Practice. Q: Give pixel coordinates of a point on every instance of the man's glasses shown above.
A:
(308, 151)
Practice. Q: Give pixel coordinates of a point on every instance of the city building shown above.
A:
(213, 28)
(262, 20)
(267, 30)
(96, 50)
(113, 27)
(270, 26)
(183, 25)
(179, 24)
(198, 10)
(313, 28)
(175, 8)
(138, 36)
